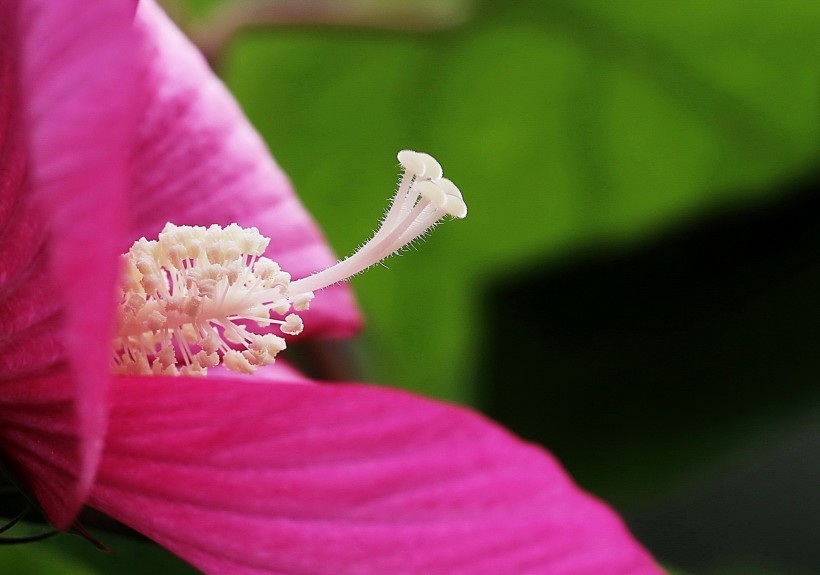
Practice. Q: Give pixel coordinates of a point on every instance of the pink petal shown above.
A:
(68, 80)
(278, 372)
(198, 161)
(243, 477)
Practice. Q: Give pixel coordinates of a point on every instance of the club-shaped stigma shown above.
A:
(188, 299)
(423, 198)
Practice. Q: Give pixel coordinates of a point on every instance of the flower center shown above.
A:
(188, 299)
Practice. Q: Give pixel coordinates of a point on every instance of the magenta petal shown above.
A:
(198, 161)
(243, 477)
(39, 435)
(66, 101)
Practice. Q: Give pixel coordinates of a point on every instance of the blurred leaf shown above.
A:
(22, 560)
(666, 356)
(128, 556)
(680, 381)
(754, 566)
(67, 554)
(565, 124)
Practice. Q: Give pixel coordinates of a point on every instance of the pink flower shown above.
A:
(111, 125)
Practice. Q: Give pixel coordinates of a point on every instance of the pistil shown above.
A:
(189, 298)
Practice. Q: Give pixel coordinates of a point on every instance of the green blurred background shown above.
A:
(636, 284)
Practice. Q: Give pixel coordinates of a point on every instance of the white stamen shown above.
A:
(191, 295)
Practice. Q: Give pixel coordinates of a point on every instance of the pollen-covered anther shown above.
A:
(301, 301)
(189, 297)
(235, 361)
(293, 325)
(264, 348)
